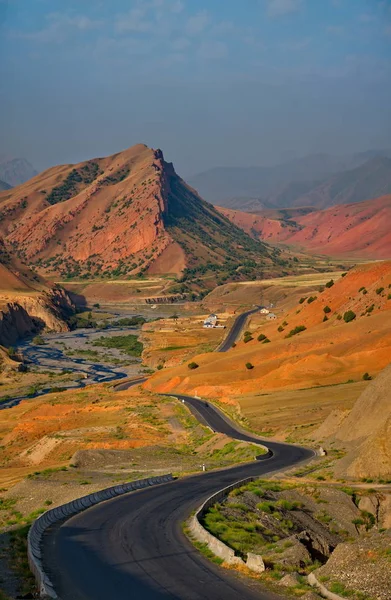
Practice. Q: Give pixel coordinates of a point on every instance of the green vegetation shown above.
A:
(249, 366)
(296, 330)
(261, 337)
(128, 322)
(247, 337)
(302, 300)
(311, 299)
(38, 340)
(128, 344)
(379, 290)
(70, 186)
(330, 283)
(366, 377)
(193, 365)
(327, 310)
(349, 316)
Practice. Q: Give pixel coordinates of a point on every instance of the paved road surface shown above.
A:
(236, 329)
(132, 547)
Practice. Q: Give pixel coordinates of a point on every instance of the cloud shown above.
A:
(198, 23)
(366, 18)
(58, 27)
(135, 20)
(279, 8)
(180, 44)
(336, 29)
(213, 50)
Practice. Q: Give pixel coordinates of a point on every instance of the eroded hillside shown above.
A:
(328, 337)
(361, 229)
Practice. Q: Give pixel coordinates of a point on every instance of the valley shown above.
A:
(128, 347)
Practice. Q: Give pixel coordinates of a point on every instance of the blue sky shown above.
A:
(212, 82)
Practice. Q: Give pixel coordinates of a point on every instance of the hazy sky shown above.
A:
(211, 82)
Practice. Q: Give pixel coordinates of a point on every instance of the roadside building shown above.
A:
(210, 321)
(264, 311)
(271, 316)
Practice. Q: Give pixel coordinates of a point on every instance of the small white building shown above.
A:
(271, 316)
(264, 311)
(210, 321)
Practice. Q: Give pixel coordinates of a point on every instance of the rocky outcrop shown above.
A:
(24, 315)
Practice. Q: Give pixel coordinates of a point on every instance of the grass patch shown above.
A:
(128, 344)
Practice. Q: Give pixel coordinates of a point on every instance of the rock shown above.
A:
(290, 580)
(255, 562)
(319, 546)
(310, 596)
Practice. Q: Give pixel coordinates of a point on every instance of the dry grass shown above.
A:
(296, 413)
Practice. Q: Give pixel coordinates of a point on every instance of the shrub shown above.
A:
(325, 319)
(280, 329)
(311, 299)
(343, 274)
(193, 365)
(339, 317)
(379, 290)
(366, 377)
(38, 340)
(330, 283)
(389, 297)
(302, 300)
(247, 337)
(249, 366)
(349, 316)
(266, 341)
(261, 337)
(327, 310)
(296, 330)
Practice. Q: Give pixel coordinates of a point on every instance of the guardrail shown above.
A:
(254, 562)
(38, 528)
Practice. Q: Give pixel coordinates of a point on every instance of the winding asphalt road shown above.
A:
(236, 329)
(133, 548)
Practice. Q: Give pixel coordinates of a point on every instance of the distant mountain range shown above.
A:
(318, 180)
(4, 186)
(125, 215)
(15, 171)
(361, 229)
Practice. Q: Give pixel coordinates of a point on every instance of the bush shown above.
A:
(330, 283)
(366, 377)
(296, 330)
(249, 366)
(38, 340)
(266, 341)
(325, 319)
(280, 329)
(247, 337)
(302, 300)
(379, 290)
(311, 299)
(349, 316)
(261, 337)
(193, 365)
(327, 310)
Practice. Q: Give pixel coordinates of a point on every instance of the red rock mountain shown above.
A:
(122, 214)
(362, 229)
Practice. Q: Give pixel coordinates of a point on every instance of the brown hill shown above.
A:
(27, 303)
(124, 214)
(310, 344)
(366, 431)
(361, 229)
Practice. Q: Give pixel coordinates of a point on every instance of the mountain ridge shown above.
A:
(125, 214)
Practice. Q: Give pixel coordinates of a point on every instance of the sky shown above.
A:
(211, 82)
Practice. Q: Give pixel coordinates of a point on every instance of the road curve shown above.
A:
(236, 329)
(132, 547)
